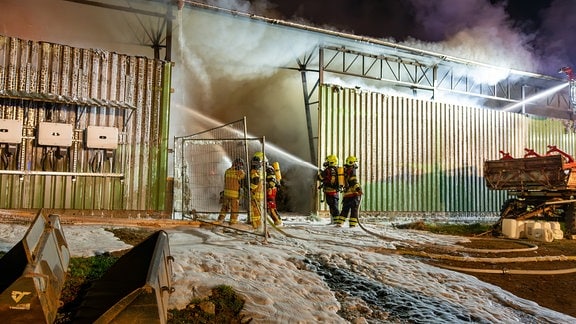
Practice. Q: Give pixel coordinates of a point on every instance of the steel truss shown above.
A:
(436, 74)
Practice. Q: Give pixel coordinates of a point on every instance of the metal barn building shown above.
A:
(88, 122)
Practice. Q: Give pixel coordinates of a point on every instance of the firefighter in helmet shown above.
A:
(328, 178)
(233, 180)
(352, 193)
(257, 167)
(272, 186)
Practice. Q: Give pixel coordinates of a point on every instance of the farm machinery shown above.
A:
(540, 187)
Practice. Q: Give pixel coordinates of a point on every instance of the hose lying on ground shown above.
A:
(531, 247)
(229, 227)
(511, 271)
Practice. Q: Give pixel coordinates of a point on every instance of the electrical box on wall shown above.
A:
(55, 134)
(10, 131)
(100, 137)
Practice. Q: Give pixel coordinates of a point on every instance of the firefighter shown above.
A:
(257, 188)
(352, 194)
(329, 184)
(272, 186)
(230, 198)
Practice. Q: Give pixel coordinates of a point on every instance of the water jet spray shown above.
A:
(535, 97)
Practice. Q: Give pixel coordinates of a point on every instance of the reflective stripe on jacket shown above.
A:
(351, 187)
(256, 184)
(232, 182)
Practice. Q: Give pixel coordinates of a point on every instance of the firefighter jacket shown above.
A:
(232, 182)
(271, 180)
(329, 180)
(351, 185)
(256, 184)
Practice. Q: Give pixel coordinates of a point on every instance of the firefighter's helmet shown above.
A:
(238, 163)
(351, 161)
(332, 160)
(258, 160)
(260, 156)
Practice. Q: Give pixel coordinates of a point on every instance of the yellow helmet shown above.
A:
(258, 160)
(332, 160)
(260, 156)
(351, 160)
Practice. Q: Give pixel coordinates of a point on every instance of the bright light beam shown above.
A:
(536, 96)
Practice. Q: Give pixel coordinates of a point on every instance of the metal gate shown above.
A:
(201, 160)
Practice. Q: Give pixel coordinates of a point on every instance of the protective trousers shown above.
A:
(229, 205)
(256, 213)
(332, 202)
(350, 205)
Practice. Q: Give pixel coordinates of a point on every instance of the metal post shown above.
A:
(307, 108)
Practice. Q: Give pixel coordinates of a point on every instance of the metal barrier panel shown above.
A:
(204, 172)
(200, 165)
(199, 160)
(203, 179)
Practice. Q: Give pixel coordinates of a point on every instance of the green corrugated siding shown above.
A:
(424, 156)
(107, 89)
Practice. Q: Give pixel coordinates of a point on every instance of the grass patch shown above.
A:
(223, 306)
(460, 229)
(81, 273)
(132, 236)
(449, 229)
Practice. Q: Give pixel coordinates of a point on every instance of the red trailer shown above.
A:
(539, 186)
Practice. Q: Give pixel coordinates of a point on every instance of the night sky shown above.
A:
(544, 28)
(399, 18)
(367, 15)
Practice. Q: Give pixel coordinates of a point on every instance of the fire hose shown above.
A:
(511, 271)
(531, 247)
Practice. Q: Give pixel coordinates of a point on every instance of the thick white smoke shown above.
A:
(474, 30)
(484, 32)
(477, 30)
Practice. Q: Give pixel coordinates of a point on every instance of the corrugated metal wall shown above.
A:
(44, 82)
(424, 156)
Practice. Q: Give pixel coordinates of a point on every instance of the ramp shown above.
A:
(135, 289)
(32, 273)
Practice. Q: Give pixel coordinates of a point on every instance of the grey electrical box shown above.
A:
(100, 137)
(10, 131)
(55, 134)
